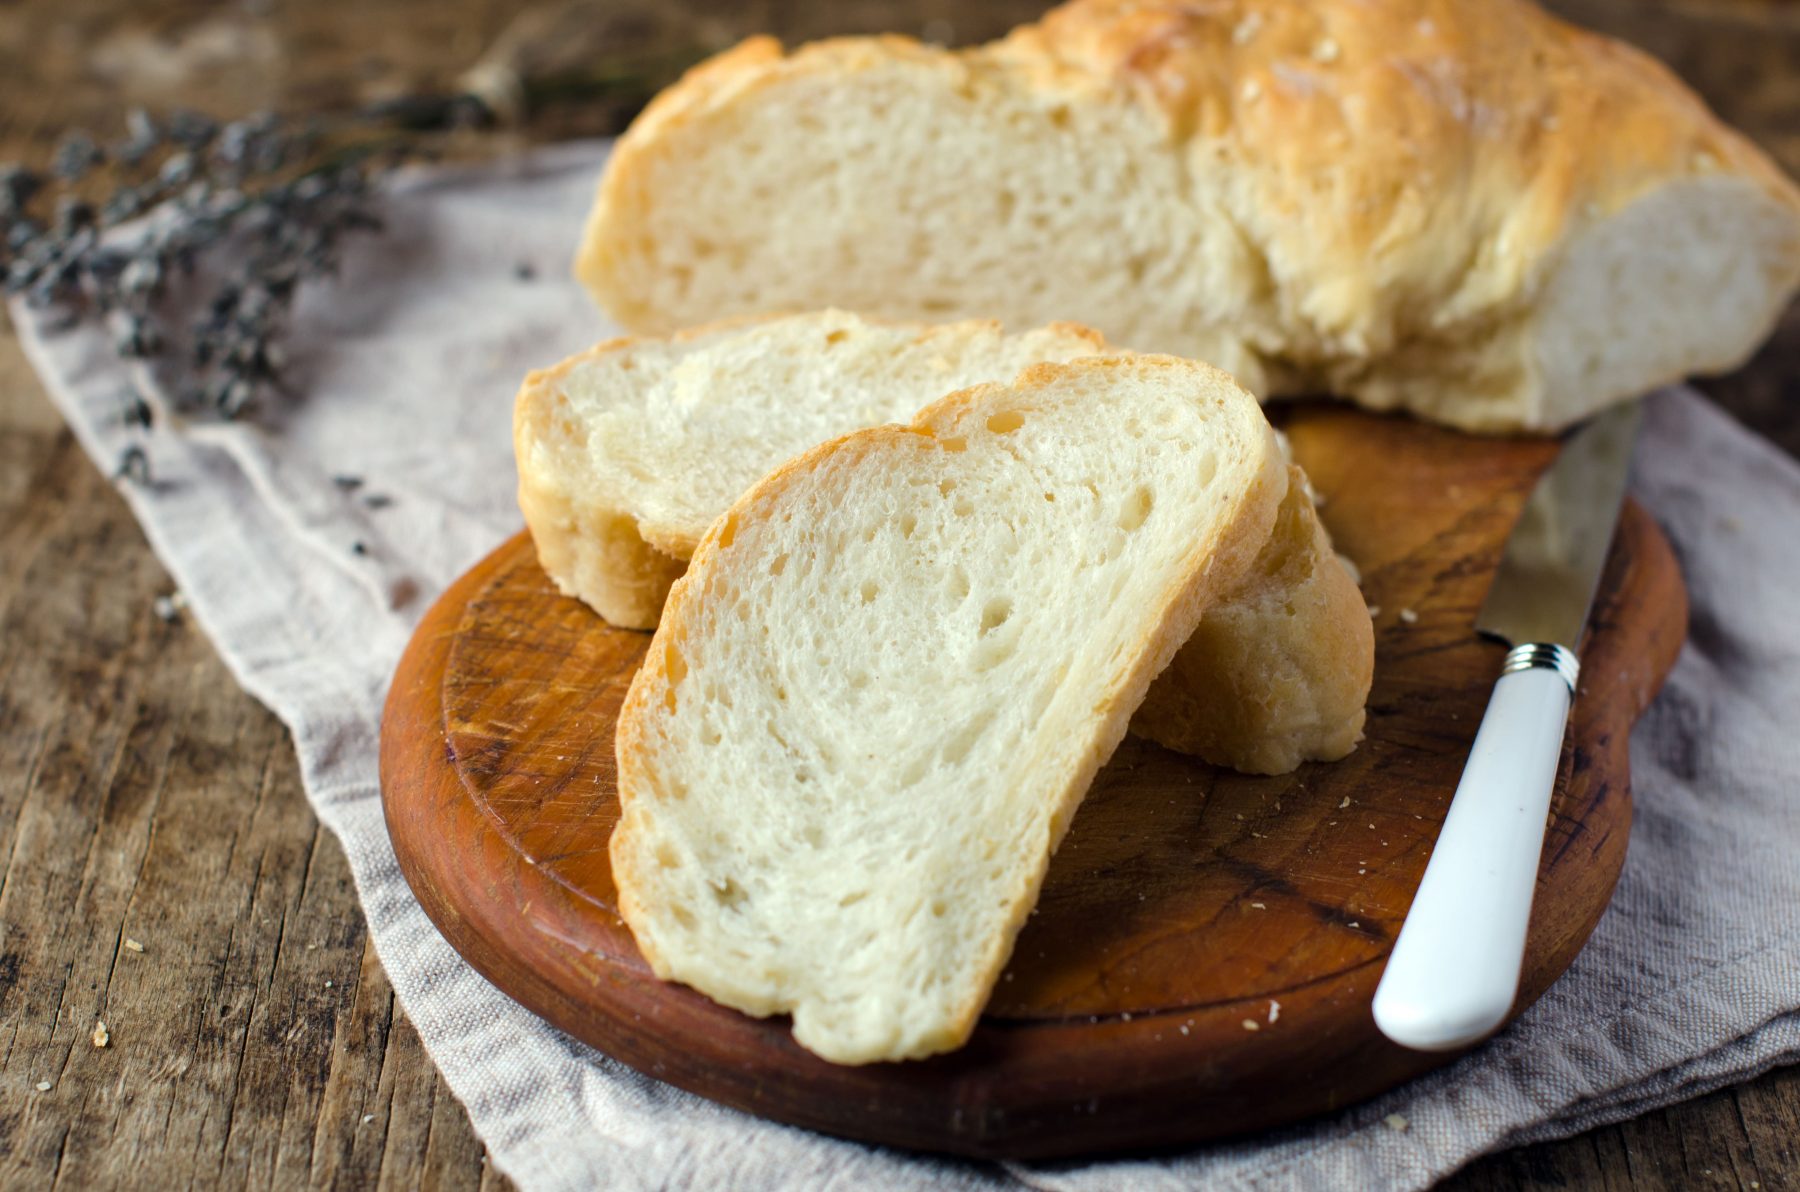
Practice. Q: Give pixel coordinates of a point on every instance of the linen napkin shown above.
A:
(408, 364)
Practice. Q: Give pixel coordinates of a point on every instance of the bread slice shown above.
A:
(1468, 210)
(890, 674)
(629, 451)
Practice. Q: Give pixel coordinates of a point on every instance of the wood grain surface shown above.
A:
(122, 736)
(1202, 956)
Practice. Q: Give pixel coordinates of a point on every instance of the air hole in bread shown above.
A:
(726, 893)
(995, 613)
(946, 487)
(1136, 509)
(852, 898)
(908, 523)
(667, 857)
(954, 445)
(779, 565)
(870, 589)
(837, 337)
(675, 667)
(963, 507)
(728, 531)
(939, 908)
(958, 582)
(1005, 422)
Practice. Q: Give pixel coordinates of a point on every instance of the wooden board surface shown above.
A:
(1206, 945)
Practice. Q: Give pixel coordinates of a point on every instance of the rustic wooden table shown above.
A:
(162, 870)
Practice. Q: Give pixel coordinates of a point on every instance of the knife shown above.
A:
(1455, 968)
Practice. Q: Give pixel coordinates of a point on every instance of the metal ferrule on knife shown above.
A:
(1543, 656)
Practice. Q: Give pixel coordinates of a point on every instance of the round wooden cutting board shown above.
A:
(1206, 947)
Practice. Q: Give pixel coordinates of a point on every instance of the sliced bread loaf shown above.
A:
(629, 451)
(890, 674)
(1469, 210)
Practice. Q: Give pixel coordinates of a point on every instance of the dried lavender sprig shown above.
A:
(258, 184)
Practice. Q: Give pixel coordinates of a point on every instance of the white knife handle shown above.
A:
(1455, 968)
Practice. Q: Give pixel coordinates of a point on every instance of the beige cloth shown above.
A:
(408, 364)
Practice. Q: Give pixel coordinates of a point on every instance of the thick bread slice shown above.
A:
(893, 669)
(629, 451)
(1469, 210)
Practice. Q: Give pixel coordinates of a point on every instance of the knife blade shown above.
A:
(1454, 971)
(1553, 558)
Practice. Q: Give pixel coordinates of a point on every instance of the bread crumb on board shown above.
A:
(1396, 1121)
(132, 945)
(1250, 1024)
(1409, 616)
(102, 1036)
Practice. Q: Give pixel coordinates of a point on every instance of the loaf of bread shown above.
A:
(891, 672)
(1472, 211)
(629, 451)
